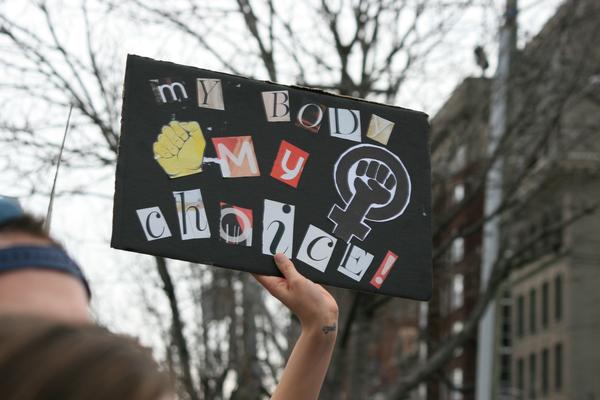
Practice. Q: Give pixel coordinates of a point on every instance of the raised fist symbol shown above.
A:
(373, 185)
(179, 148)
(374, 181)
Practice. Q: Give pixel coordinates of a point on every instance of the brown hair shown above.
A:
(26, 224)
(41, 360)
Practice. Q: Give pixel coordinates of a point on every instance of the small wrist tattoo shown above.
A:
(329, 328)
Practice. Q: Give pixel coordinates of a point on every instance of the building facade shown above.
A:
(547, 318)
(552, 289)
(458, 143)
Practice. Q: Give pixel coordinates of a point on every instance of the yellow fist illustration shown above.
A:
(179, 148)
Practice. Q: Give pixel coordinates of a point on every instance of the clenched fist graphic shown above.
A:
(374, 186)
(374, 182)
(179, 148)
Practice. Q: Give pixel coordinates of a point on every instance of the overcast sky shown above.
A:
(83, 223)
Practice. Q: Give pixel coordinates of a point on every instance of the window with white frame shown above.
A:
(459, 193)
(457, 382)
(457, 250)
(457, 327)
(458, 289)
(460, 159)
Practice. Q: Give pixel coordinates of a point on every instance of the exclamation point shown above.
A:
(384, 269)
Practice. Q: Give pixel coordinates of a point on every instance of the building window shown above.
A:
(520, 316)
(505, 370)
(505, 339)
(532, 313)
(422, 391)
(459, 161)
(545, 305)
(558, 297)
(457, 328)
(442, 302)
(558, 367)
(505, 342)
(457, 382)
(459, 193)
(532, 375)
(520, 378)
(457, 299)
(458, 250)
(545, 372)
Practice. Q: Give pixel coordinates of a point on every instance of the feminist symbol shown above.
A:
(374, 186)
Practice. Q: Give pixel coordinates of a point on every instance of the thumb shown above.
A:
(274, 285)
(286, 267)
(190, 126)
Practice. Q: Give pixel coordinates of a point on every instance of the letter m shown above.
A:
(166, 91)
(236, 156)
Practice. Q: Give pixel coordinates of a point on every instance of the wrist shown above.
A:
(324, 330)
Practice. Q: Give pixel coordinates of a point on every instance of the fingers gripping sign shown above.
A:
(179, 148)
(313, 305)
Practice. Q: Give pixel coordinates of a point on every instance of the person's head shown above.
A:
(37, 277)
(42, 359)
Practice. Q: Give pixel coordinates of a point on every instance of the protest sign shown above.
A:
(223, 170)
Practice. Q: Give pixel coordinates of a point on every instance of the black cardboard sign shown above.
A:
(223, 170)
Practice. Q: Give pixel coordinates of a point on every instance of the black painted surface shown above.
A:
(141, 182)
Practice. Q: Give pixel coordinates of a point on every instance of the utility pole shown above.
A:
(493, 198)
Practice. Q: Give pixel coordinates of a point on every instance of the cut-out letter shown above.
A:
(210, 93)
(316, 248)
(355, 262)
(193, 223)
(384, 269)
(277, 105)
(278, 228)
(168, 90)
(289, 164)
(310, 116)
(236, 156)
(344, 124)
(380, 129)
(235, 226)
(153, 223)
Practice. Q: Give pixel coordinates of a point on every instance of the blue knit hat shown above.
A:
(9, 209)
(43, 257)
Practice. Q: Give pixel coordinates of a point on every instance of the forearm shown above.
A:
(318, 313)
(307, 366)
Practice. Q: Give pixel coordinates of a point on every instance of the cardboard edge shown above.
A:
(119, 170)
(293, 86)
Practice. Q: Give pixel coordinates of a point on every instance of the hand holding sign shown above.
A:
(315, 307)
(179, 148)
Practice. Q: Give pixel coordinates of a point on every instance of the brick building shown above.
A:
(458, 143)
(547, 317)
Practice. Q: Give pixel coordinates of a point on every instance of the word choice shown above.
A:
(236, 226)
